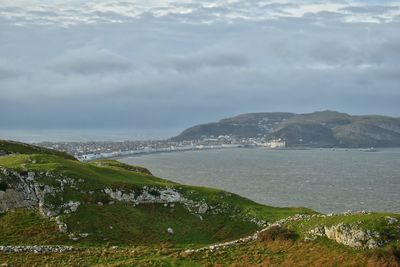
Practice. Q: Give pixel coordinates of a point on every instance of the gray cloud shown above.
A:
(8, 70)
(371, 9)
(89, 61)
(167, 67)
(203, 59)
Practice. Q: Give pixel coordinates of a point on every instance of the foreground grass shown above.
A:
(258, 253)
(26, 227)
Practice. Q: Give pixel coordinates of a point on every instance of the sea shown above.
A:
(86, 135)
(326, 180)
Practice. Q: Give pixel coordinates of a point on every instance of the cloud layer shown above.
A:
(174, 63)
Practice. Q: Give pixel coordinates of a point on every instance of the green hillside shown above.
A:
(141, 213)
(13, 147)
(107, 213)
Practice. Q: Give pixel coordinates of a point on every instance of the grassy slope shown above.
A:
(135, 224)
(21, 227)
(12, 147)
(121, 223)
(259, 253)
(376, 222)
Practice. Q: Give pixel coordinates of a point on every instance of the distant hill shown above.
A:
(317, 129)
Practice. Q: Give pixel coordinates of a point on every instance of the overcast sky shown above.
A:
(171, 64)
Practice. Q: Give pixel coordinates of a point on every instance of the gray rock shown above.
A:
(347, 234)
(391, 220)
(35, 249)
(203, 208)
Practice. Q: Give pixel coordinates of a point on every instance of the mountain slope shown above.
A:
(317, 129)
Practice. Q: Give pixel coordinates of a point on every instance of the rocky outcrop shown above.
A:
(11, 199)
(353, 236)
(348, 234)
(162, 196)
(23, 191)
(146, 195)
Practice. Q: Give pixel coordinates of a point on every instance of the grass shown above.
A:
(376, 222)
(121, 223)
(95, 177)
(26, 227)
(281, 252)
(12, 147)
(259, 253)
(113, 164)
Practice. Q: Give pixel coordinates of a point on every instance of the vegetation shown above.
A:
(278, 233)
(110, 221)
(107, 232)
(12, 147)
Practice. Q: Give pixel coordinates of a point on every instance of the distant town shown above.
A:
(86, 151)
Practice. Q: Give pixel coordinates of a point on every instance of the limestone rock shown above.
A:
(391, 220)
(347, 234)
(203, 208)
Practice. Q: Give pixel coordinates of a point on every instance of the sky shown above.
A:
(167, 64)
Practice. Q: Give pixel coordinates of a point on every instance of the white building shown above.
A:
(276, 143)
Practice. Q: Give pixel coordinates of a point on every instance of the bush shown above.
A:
(390, 254)
(277, 233)
(394, 251)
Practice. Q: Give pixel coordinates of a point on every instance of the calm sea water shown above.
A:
(324, 180)
(86, 135)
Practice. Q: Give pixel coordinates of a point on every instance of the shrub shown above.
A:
(394, 251)
(390, 254)
(277, 233)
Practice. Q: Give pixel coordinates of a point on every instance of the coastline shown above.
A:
(139, 153)
(325, 180)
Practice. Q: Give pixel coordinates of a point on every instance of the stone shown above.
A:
(347, 234)
(72, 206)
(35, 249)
(170, 230)
(203, 208)
(391, 220)
(31, 176)
(62, 227)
